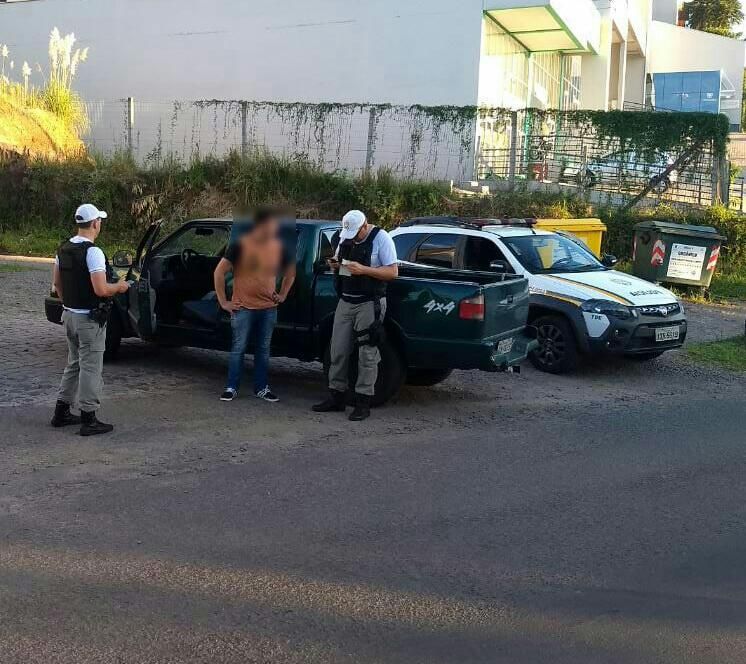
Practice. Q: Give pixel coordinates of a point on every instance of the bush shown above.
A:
(43, 195)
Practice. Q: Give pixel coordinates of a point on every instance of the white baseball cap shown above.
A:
(352, 222)
(88, 212)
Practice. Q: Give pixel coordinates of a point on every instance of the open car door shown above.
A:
(141, 303)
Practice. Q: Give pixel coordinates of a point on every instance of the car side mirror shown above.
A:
(609, 260)
(500, 267)
(123, 259)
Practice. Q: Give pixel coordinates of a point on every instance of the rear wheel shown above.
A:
(391, 373)
(558, 349)
(427, 377)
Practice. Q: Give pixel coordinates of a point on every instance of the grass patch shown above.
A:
(729, 353)
(730, 286)
(44, 242)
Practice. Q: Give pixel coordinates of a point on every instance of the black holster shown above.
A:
(372, 336)
(100, 313)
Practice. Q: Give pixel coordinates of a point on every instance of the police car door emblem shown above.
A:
(440, 307)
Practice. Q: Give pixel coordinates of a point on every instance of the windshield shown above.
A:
(543, 254)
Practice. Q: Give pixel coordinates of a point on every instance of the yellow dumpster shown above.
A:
(591, 231)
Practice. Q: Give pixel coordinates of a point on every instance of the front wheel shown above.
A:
(113, 335)
(661, 186)
(558, 350)
(391, 373)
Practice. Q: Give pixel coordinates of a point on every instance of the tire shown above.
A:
(391, 373)
(558, 348)
(113, 335)
(427, 377)
(587, 179)
(661, 186)
(645, 357)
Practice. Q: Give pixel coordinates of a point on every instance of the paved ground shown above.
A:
(597, 518)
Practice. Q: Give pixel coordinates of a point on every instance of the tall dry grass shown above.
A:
(51, 89)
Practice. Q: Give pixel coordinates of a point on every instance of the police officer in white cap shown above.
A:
(80, 279)
(365, 260)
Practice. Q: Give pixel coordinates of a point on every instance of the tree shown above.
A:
(717, 16)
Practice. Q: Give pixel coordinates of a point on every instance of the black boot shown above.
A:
(62, 415)
(362, 408)
(91, 426)
(335, 403)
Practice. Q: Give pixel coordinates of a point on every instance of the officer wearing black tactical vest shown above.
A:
(81, 279)
(365, 260)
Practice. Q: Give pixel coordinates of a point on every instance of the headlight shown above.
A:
(609, 308)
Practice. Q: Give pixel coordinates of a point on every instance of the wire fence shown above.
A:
(557, 149)
(413, 142)
(493, 146)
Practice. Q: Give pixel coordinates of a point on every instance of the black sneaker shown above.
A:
(91, 426)
(63, 417)
(228, 394)
(267, 395)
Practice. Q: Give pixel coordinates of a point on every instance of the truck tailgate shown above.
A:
(458, 320)
(505, 307)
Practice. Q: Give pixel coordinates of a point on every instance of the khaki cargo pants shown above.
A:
(83, 380)
(348, 319)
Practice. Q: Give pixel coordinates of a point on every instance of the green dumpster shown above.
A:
(667, 252)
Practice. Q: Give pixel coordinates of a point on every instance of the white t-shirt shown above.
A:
(95, 260)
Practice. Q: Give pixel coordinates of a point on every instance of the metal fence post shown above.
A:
(244, 128)
(130, 124)
(370, 147)
(512, 158)
(725, 181)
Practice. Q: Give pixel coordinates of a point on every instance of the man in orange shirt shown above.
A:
(257, 260)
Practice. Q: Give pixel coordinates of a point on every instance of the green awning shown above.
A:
(572, 26)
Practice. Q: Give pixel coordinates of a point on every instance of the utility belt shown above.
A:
(100, 313)
(373, 335)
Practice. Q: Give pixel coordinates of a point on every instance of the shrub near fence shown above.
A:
(39, 198)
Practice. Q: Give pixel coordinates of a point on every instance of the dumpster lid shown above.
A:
(673, 228)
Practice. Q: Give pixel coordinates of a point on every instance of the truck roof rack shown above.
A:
(475, 223)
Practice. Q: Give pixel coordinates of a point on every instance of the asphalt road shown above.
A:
(598, 518)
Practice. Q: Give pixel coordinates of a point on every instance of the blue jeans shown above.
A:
(243, 322)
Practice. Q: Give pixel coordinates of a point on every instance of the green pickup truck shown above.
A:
(437, 320)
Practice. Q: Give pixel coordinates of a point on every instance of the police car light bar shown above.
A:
(465, 222)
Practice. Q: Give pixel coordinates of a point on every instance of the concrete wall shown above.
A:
(394, 51)
(675, 49)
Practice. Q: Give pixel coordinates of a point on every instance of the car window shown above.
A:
(203, 240)
(545, 254)
(479, 253)
(405, 243)
(326, 248)
(438, 250)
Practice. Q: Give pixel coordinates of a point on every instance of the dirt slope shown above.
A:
(35, 132)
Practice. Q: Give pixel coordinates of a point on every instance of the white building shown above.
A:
(596, 54)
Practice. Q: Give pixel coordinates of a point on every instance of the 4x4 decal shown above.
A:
(440, 307)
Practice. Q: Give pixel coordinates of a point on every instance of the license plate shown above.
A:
(505, 346)
(667, 333)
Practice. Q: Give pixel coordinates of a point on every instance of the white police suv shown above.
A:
(579, 305)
